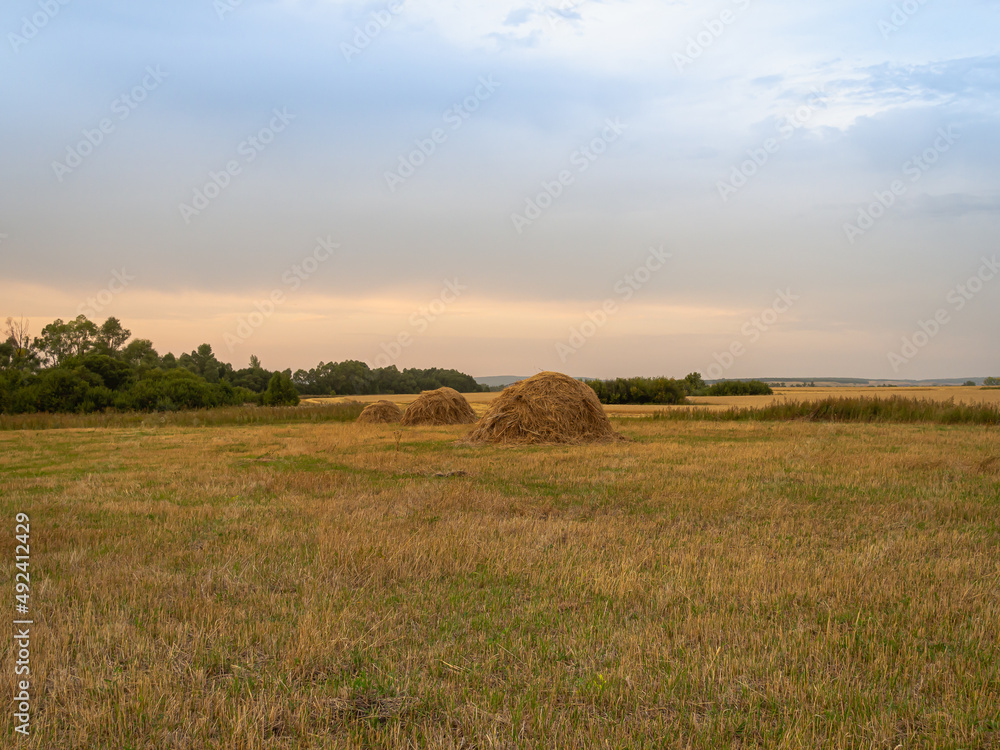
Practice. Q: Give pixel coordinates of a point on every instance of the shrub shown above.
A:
(171, 390)
(62, 389)
(740, 388)
(280, 391)
(640, 391)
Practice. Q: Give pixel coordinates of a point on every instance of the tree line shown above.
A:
(671, 391)
(80, 366)
(354, 378)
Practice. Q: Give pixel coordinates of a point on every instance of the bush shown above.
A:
(280, 391)
(740, 388)
(171, 390)
(114, 373)
(640, 391)
(77, 390)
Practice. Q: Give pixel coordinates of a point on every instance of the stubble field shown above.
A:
(960, 395)
(330, 585)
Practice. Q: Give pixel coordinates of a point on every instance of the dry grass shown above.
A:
(958, 394)
(547, 408)
(481, 401)
(442, 406)
(709, 585)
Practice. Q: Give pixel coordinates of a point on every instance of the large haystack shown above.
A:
(443, 406)
(546, 408)
(381, 412)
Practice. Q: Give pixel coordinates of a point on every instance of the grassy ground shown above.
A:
(328, 585)
(960, 395)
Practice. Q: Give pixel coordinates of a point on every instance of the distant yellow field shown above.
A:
(965, 395)
(961, 395)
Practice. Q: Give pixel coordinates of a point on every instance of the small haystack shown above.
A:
(546, 408)
(443, 406)
(381, 412)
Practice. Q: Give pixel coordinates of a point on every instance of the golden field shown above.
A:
(961, 395)
(332, 585)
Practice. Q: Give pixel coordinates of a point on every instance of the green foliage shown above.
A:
(640, 391)
(78, 390)
(6, 354)
(694, 384)
(254, 377)
(114, 373)
(280, 391)
(61, 340)
(202, 362)
(80, 366)
(140, 355)
(740, 388)
(171, 390)
(354, 378)
(110, 336)
(991, 381)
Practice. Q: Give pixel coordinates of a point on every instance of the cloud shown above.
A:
(519, 16)
(954, 205)
(564, 67)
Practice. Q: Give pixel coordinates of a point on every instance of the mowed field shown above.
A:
(333, 585)
(480, 401)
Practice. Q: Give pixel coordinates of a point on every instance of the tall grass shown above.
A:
(245, 414)
(896, 409)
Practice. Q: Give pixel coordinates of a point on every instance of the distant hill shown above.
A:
(494, 381)
(869, 382)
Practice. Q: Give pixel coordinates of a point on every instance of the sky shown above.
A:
(607, 188)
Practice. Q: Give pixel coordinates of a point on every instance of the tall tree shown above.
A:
(18, 336)
(111, 336)
(141, 354)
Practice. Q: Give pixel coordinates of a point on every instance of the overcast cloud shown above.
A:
(745, 137)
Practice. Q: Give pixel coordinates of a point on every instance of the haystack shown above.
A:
(443, 406)
(381, 412)
(546, 408)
